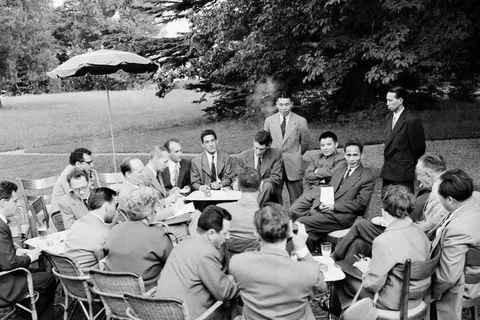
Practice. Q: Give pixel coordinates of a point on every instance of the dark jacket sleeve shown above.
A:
(8, 259)
(416, 138)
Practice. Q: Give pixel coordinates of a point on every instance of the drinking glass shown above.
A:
(326, 249)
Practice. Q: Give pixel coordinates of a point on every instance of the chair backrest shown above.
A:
(147, 308)
(33, 188)
(106, 179)
(38, 208)
(111, 286)
(74, 281)
(57, 221)
(472, 259)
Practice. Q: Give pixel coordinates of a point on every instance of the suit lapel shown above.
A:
(276, 131)
(400, 123)
(166, 176)
(350, 182)
(292, 124)
(181, 172)
(161, 185)
(336, 178)
(265, 162)
(205, 166)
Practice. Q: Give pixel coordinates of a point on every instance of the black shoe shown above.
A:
(324, 305)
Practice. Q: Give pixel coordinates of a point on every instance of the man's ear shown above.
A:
(336, 145)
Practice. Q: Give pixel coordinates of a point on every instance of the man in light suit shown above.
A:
(272, 285)
(73, 205)
(290, 134)
(455, 235)
(268, 161)
(404, 142)
(13, 286)
(177, 177)
(212, 168)
(194, 272)
(86, 238)
(242, 211)
(353, 186)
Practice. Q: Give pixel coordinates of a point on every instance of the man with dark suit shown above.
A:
(212, 168)
(73, 205)
(455, 235)
(404, 142)
(353, 186)
(272, 285)
(177, 177)
(290, 135)
(13, 286)
(194, 272)
(268, 161)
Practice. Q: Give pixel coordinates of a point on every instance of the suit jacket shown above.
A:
(271, 169)
(60, 188)
(85, 241)
(154, 181)
(404, 145)
(400, 241)
(273, 286)
(183, 175)
(457, 237)
(72, 208)
(193, 273)
(13, 287)
(293, 145)
(135, 246)
(200, 173)
(242, 228)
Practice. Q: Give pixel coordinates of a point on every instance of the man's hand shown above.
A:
(175, 190)
(325, 207)
(216, 185)
(363, 264)
(34, 254)
(300, 239)
(172, 198)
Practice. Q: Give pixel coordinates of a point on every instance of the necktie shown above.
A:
(282, 126)
(175, 175)
(213, 169)
(85, 202)
(259, 164)
(394, 121)
(345, 177)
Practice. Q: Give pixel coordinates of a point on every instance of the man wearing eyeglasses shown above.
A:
(80, 158)
(73, 205)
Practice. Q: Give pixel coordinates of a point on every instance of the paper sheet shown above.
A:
(327, 196)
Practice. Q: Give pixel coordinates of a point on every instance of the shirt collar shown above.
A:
(287, 118)
(396, 115)
(172, 164)
(275, 251)
(3, 218)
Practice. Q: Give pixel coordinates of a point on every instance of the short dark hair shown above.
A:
(272, 222)
(398, 201)
(433, 161)
(263, 137)
(99, 196)
(77, 173)
(328, 134)
(249, 180)
(206, 133)
(457, 184)
(400, 93)
(6, 189)
(354, 142)
(283, 94)
(125, 165)
(212, 218)
(167, 144)
(77, 155)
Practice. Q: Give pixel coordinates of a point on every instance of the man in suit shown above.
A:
(86, 238)
(177, 177)
(272, 285)
(404, 142)
(73, 205)
(268, 161)
(13, 286)
(213, 167)
(242, 211)
(80, 158)
(318, 174)
(290, 134)
(353, 186)
(455, 235)
(194, 272)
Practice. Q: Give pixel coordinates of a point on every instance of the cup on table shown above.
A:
(326, 250)
(42, 230)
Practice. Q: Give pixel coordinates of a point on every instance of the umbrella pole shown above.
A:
(111, 125)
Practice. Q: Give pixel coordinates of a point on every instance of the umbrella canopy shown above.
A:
(103, 62)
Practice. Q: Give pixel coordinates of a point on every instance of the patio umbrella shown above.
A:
(103, 62)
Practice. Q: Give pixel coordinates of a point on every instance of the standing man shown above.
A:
(177, 177)
(73, 205)
(290, 134)
(213, 167)
(404, 142)
(268, 161)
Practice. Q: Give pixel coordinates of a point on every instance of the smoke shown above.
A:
(262, 98)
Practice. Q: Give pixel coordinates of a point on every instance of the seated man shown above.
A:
(86, 238)
(318, 173)
(455, 235)
(242, 211)
(194, 271)
(272, 285)
(360, 237)
(353, 186)
(268, 161)
(13, 287)
(177, 177)
(212, 168)
(80, 158)
(73, 205)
